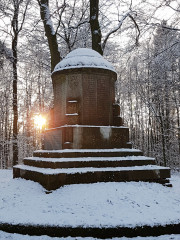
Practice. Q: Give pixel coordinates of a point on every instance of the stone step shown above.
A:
(98, 162)
(52, 179)
(91, 232)
(73, 153)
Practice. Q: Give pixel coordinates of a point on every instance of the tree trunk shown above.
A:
(14, 24)
(95, 27)
(50, 34)
(15, 103)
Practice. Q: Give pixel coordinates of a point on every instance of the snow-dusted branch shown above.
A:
(166, 49)
(24, 16)
(70, 25)
(60, 16)
(175, 9)
(115, 29)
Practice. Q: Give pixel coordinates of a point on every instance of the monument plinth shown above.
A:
(85, 114)
(86, 141)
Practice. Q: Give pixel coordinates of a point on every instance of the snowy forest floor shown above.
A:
(128, 204)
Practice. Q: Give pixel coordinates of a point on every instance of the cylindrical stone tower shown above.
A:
(85, 114)
(84, 89)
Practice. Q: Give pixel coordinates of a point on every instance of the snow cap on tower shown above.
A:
(83, 58)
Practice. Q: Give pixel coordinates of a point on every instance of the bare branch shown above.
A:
(167, 48)
(175, 9)
(137, 27)
(170, 28)
(115, 29)
(79, 24)
(24, 16)
(73, 11)
(164, 50)
(63, 7)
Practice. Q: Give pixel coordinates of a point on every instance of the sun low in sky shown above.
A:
(39, 121)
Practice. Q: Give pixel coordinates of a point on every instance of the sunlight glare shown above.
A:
(39, 121)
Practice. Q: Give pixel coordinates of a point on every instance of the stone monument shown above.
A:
(85, 114)
(86, 141)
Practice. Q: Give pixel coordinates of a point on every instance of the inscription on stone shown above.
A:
(103, 101)
(89, 100)
(73, 81)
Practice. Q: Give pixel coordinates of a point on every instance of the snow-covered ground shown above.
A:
(101, 204)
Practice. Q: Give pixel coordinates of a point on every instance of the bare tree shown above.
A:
(16, 29)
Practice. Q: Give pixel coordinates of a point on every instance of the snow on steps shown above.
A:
(51, 171)
(56, 168)
(73, 153)
(80, 162)
(52, 179)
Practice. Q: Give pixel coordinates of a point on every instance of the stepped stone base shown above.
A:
(53, 169)
(86, 137)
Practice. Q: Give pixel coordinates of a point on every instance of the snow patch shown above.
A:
(96, 32)
(48, 18)
(93, 17)
(84, 126)
(72, 101)
(83, 58)
(106, 132)
(72, 114)
(91, 150)
(88, 159)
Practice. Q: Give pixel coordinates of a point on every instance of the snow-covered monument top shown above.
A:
(83, 58)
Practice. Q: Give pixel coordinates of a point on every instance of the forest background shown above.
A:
(141, 38)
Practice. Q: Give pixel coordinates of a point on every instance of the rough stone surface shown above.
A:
(84, 96)
(87, 137)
